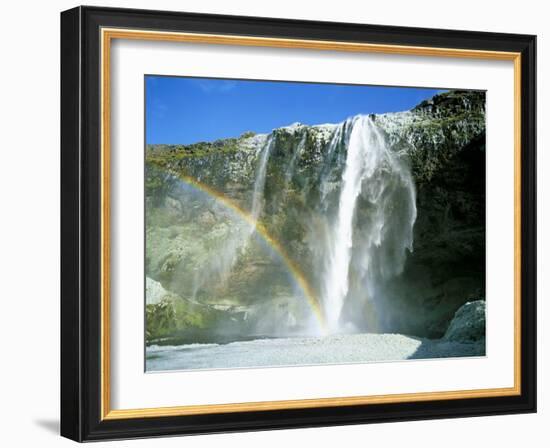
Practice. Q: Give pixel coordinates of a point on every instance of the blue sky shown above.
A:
(188, 110)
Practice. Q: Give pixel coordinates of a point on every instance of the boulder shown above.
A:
(468, 323)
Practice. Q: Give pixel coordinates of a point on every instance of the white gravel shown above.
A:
(336, 349)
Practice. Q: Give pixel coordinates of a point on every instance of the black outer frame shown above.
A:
(81, 207)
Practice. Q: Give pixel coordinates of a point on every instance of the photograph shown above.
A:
(298, 223)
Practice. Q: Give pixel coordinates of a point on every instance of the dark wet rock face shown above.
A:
(441, 141)
(447, 266)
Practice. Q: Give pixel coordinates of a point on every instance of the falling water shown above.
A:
(329, 165)
(259, 183)
(374, 247)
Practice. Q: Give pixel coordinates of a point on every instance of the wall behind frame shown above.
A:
(29, 235)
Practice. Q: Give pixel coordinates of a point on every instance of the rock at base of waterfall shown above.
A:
(468, 324)
(154, 292)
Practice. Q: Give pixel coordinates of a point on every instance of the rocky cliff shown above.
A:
(202, 248)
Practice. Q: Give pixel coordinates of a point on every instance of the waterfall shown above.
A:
(361, 224)
(372, 246)
(258, 193)
(328, 167)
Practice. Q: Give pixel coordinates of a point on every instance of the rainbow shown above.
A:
(261, 230)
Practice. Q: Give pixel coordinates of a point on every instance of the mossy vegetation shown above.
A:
(177, 318)
(161, 154)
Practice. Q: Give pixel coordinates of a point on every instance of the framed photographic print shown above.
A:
(274, 223)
